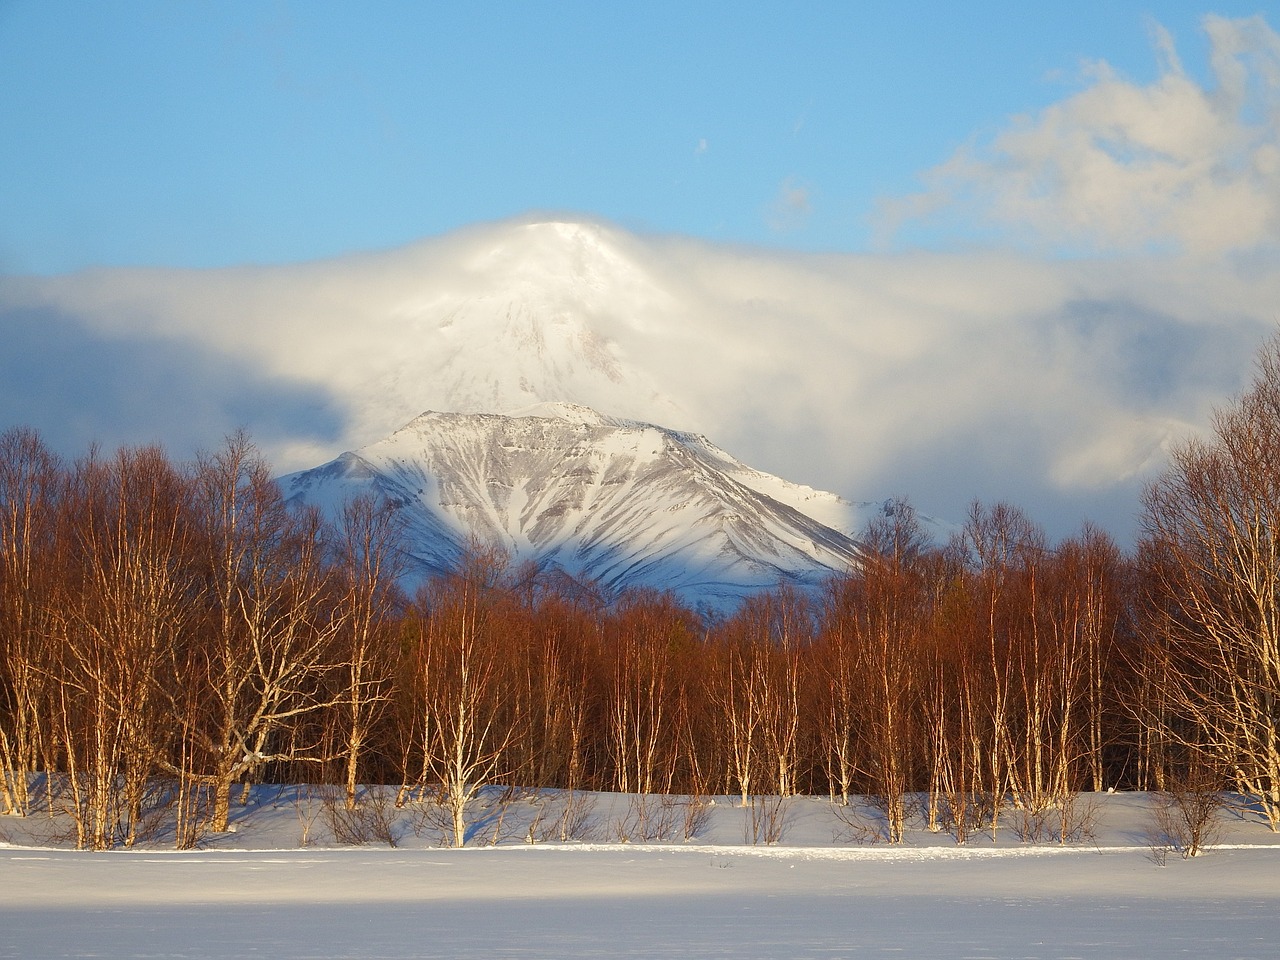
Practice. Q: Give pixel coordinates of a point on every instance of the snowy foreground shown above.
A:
(819, 892)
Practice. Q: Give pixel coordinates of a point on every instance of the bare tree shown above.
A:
(367, 558)
(1085, 618)
(466, 727)
(835, 683)
(1211, 551)
(266, 643)
(742, 697)
(640, 724)
(788, 630)
(30, 483)
(556, 693)
(1004, 548)
(892, 615)
(126, 605)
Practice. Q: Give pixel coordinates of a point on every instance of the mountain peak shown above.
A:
(559, 411)
(563, 410)
(580, 257)
(581, 415)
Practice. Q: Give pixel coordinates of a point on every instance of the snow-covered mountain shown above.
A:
(626, 503)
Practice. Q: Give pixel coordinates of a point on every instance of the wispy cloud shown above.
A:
(791, 206)
(1123, 166)
(801, 119)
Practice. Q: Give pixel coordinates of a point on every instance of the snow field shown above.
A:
(256, 893)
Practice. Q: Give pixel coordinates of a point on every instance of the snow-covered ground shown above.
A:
(820, 891)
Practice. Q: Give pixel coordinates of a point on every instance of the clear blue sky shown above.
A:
(211, 133)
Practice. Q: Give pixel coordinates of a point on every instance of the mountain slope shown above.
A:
(627, 503)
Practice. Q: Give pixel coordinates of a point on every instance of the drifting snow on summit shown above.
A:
(625, 503)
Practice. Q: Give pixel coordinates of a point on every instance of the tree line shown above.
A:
(170, 633)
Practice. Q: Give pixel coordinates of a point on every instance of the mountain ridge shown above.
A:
(624, 502)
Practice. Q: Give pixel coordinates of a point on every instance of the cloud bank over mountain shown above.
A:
(1057, 385)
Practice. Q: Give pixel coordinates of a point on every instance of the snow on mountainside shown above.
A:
(626, 503)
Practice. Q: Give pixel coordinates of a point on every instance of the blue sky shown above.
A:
(214, 133)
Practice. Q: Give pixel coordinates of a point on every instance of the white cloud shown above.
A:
(1121, 166)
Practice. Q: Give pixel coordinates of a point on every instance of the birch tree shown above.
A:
(267, 641)
(368, 565)
(31, 479)
(1211, 550)
(889, 629)
(466, 727)
(125, 606)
